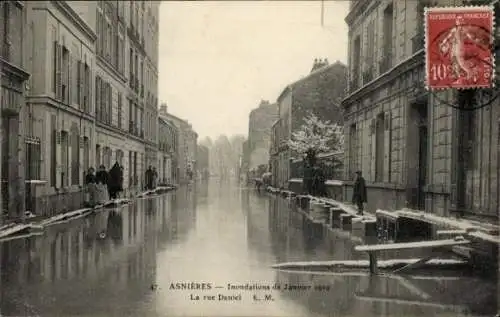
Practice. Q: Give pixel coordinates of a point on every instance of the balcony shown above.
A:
(418, 42)
(385, 63)
(367, 76)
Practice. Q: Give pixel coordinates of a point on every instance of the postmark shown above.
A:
(458, 47)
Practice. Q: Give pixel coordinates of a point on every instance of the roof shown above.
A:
(312, 74)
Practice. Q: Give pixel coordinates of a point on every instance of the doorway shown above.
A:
(418, 138)
(9, 185)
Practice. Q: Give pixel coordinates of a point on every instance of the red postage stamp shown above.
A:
(459, 42)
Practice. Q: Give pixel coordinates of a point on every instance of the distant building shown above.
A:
(259, 134)
(167, 150)
(187, 145)
(203, 163)
(320, 93)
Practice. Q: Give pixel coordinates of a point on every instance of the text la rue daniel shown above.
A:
(233, 292)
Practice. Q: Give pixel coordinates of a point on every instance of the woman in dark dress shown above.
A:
(114, 182)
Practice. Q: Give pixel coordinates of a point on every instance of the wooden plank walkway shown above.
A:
(437, 246)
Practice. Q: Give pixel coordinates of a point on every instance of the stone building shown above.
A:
(186, 145)
(319, 93)
(413, 148)
(14, 113)
(125, 84)
(60, 124)
(259, 133)
(167, 149)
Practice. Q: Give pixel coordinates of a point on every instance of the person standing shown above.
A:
(102, 179)
(91, 188)
(114, 181)
(359, 193)
(154, 181)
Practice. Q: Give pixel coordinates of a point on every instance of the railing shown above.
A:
(417, 42)
(386, 63)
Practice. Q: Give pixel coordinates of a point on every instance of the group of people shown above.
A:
(151, 178)
(103, 185)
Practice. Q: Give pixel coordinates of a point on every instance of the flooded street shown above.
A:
(206, 250)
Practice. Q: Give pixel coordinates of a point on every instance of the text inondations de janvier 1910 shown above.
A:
(234, 292)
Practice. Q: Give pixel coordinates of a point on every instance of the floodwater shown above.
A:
(206, 250)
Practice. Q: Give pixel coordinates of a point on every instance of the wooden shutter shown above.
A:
(58, 50)
(102, 104)
(373, 152)
(79, 83)
(87, 84)
(69, 79)
(110, 104)
(387, 146)
(97, 97)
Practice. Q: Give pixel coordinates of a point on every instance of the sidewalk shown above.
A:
(38, 224)
(480, 230)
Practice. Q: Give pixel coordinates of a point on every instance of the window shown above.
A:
(107, 153)
(109, 40)
(75, 157)
(387, 42)
(379, 147)
(119, 157)
(121, 52)
(64, 158)
(53, 152)
(33, 158)
(370, 46)
(86, 154)
(97, 155)
(100, 30)
(98, 97)
(78, 95)
(55, 65)
(120, 109)
(86, 89)
(65, 75)
(109, 104)
(353, 145)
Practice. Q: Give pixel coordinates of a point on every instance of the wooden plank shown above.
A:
(411, 245)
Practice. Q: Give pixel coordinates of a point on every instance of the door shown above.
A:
(422, 165)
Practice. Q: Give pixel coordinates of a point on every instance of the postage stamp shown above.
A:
(458, 47)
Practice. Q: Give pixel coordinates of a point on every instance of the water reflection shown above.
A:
(106, 264)
(359, 294)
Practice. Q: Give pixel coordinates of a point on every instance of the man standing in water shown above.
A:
(359, 193)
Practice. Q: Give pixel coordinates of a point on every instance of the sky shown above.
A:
(218, 60)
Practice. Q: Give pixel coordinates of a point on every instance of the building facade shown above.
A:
(92, 96)
(413, 148)
(60, 132)
(203, 163)
(167, 149)
(186, 145)
(319, 93)
(14, 77)
(259, 133)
